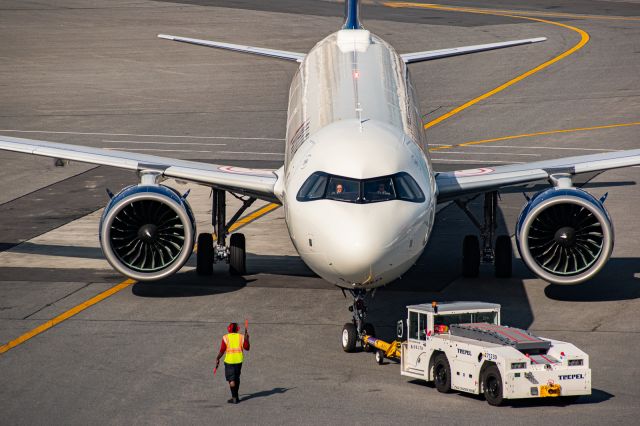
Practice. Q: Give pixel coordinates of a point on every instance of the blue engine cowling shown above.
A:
(564, 235)
(147, 232)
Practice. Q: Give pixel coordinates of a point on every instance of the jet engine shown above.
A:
(564, 235)
(147, 232)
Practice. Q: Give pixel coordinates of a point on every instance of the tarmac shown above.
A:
(94, 73)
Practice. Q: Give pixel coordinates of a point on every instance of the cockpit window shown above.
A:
(343, 189)
(400, 186)
(314, 188)
(375, 190)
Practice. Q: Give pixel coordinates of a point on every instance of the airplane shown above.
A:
(357, 186)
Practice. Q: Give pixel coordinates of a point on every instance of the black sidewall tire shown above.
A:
(369, 330)
(379, 357)
(237, 255)
(441, 363)
(204, 255)
(349, 341)
(470, 256)
(503, 261)
(491, 375)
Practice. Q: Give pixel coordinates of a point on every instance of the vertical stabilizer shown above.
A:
(352, 15)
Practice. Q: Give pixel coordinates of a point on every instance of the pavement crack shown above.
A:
(56, 301)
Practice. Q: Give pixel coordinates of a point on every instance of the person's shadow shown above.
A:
(265, 393)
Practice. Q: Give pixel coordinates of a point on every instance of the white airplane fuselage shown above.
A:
(353, 114)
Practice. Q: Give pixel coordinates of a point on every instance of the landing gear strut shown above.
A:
(210, 252)
(476, 251)
(354, 331)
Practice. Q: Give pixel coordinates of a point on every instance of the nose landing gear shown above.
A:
(473, 253)
(354, 331)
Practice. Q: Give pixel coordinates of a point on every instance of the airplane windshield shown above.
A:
(400, 186)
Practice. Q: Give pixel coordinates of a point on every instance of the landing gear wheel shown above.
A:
(204, 256)
(369, 330)
(379, 357)
(492, 384)
(237, 255)
(442, 373)
(502, 259)
(349, 337)
(470, 256)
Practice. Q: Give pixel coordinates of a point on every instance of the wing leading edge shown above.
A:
(255, 182)
(456, 184)
(280, 54)
(430, 55)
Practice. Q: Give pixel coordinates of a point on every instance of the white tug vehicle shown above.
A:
(462, 346)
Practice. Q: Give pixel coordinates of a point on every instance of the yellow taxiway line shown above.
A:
(116, 288)
(584, 39)
(529, 135)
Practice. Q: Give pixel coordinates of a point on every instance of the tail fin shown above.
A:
(352, 15)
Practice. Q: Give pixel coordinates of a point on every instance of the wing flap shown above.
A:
(430, 55)
(455, 184)
(280, 54)
(255, 182)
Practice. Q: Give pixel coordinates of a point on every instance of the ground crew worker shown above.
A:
(231, 347)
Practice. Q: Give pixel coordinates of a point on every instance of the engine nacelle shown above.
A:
(147, 232)
(564, 235)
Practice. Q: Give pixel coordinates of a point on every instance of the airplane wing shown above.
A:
(456, 184)
(430, 55)
(280, 54)
(254, 182)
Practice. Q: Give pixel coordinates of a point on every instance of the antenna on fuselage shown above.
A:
(352, 15)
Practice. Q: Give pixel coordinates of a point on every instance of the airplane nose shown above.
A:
(359, 245)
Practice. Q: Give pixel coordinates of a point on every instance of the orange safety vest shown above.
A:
(234, 342)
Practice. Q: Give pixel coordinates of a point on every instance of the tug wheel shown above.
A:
(442, 373)
(492, 384)
(349, 337)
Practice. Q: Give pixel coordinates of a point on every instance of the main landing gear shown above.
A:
(354, 331)
(210, 251)
(482, 250)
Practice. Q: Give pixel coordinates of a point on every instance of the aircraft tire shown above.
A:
(369, 330)
(503, 255)
(204, 255)
(237, 255)
(349, 337)
(470, 256)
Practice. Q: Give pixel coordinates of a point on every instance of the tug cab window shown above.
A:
(400, 186)
(417, 326)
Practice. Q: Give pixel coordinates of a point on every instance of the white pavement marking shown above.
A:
(151, 149)
(454, 160)
(249, 152)
(134, 134)
(165, 143)
(487, 153)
